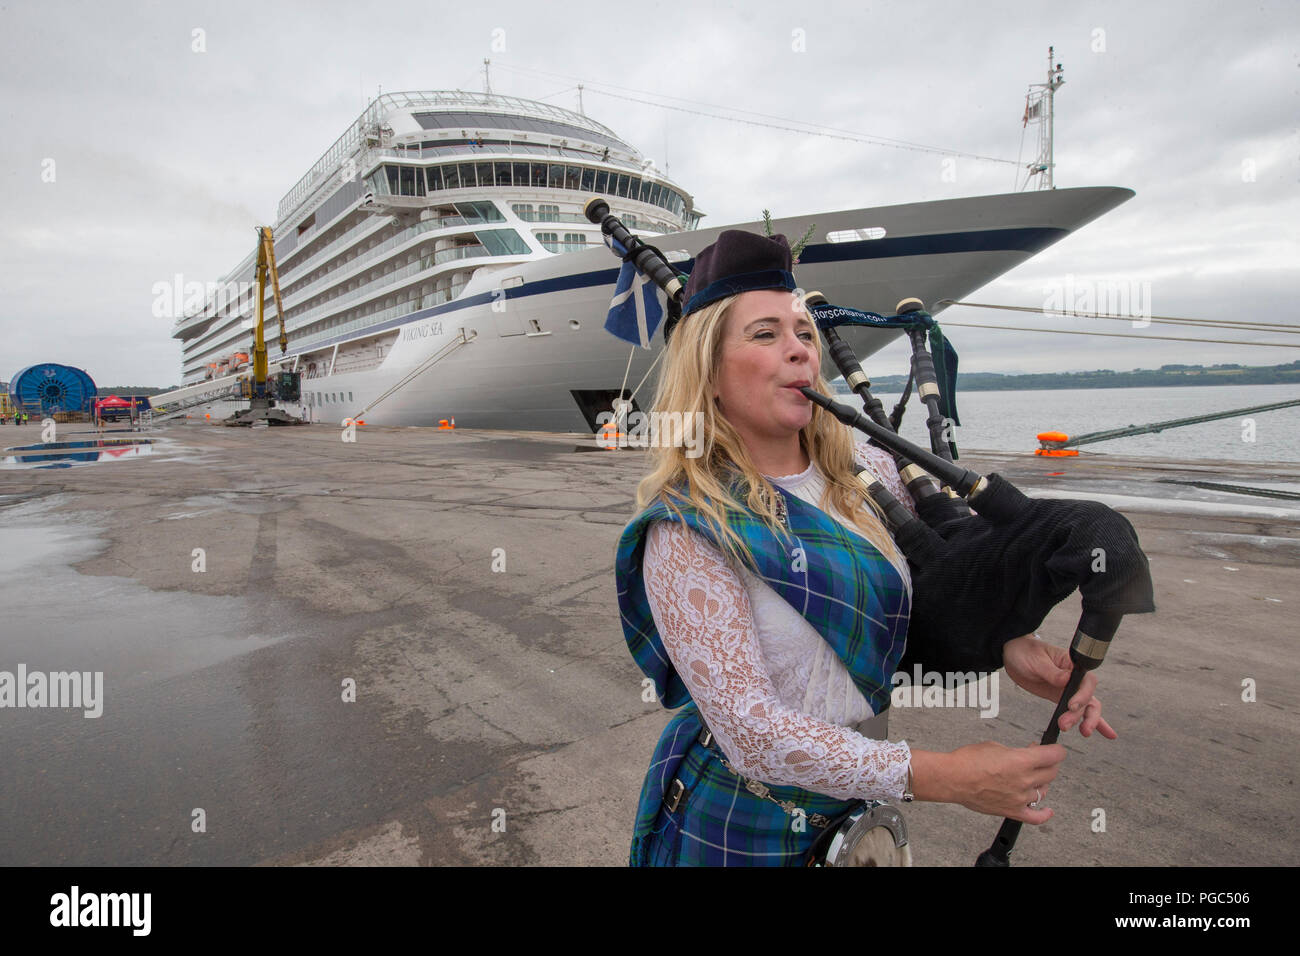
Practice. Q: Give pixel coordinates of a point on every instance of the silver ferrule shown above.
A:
(1089, 647)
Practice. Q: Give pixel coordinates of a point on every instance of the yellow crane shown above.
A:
(262, 389)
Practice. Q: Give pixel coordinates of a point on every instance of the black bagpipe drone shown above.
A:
(988, 563)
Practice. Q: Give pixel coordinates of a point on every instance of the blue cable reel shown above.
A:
(48, 389)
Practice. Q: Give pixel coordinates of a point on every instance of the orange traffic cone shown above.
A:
(609, 436)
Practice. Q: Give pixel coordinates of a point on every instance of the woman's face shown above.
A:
(768, 347)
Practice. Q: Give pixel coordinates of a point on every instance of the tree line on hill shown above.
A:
(1106, 378)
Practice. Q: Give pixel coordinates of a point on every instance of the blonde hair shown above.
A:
(691, 364)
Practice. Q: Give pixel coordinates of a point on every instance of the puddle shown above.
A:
(65, 454)
(60, 619)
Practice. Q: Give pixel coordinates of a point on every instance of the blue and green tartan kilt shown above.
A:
(718, 822)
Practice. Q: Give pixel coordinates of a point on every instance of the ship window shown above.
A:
(485, 177)
(392, 180)
(450, 177)
(467, 178)
(575, 239)
(588, 180)
(854, 235)
(557, 177)
(524, 210)
(408, 182)
(435, 177)
(657, 194)
(622, 185)
(550, 240)
(539, 174)
(504, 177)
(349, 396)
(602, 181)
(480, 212)
(548, 212)
(572, 177)
(502, 242)
(521, 174)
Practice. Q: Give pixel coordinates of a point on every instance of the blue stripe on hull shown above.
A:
(1028, 240)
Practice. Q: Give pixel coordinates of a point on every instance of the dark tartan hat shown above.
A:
(738, 262)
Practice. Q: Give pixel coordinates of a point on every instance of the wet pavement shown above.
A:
(308, 657)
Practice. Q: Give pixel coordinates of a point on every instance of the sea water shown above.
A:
(1008, 421)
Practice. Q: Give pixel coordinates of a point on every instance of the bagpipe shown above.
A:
(988, 563)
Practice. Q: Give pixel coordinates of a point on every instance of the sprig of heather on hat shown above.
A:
(803, 241)
(798, 246)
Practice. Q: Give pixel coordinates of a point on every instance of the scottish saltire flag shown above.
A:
(635, 311)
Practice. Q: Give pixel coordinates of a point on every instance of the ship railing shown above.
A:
(553, 217)
(343, 271)
(375, 318)
(367, 259)
(459, 252)
(378, 108)
(375, 289)
(314, 259)
(337, 305)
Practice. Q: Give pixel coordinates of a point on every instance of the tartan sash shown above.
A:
(845, 588)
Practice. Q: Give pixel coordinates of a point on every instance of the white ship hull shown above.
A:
(537, 334)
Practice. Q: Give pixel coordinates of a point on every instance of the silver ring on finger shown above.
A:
(1038, 796)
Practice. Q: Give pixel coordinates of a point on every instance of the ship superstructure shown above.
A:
(435, 263)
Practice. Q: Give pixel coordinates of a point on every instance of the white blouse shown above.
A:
(777, 697)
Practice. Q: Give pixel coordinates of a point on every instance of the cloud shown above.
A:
(167, 158)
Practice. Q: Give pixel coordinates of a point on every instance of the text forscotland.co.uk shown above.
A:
(84, 689)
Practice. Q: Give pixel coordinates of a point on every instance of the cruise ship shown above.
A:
(435, 265)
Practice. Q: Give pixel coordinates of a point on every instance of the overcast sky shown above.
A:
(165, 157)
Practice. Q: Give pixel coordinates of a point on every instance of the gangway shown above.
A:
(169, 404)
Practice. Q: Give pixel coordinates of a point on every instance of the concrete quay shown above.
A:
(235, 585)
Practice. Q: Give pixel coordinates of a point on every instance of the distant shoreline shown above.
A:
(1169, 376)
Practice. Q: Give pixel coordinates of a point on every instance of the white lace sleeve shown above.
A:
(883, 467)
(702, 611)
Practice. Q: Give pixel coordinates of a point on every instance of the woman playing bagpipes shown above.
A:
(763, 594)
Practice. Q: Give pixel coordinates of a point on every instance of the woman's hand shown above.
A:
(990, 778)
(1044, 670)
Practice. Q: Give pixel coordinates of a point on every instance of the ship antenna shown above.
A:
(580, 109)
(1040, 107)
(487, 76)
